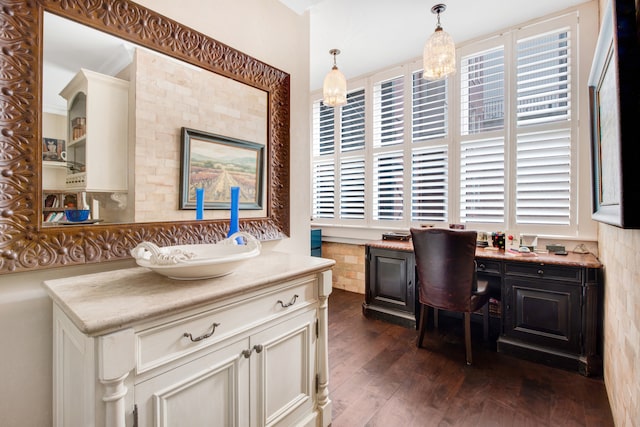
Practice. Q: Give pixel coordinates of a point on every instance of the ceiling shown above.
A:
(375, 34)
(371, 34)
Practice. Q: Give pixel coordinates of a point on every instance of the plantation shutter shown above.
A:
(544, 177)
(388, 170)
(323, 129)
(352, 122)
(323, 184)
(429, 108)
(543, 70)
(482, 180)
(323, 189)
(388, 112)
(482, 158)
(543, 181)
(429, 185)
(482, 92)
(352, 188)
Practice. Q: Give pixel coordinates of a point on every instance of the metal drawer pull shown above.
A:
(541, 272)
(247, 353)
(202, 337)
(481, 267)
(290, 303)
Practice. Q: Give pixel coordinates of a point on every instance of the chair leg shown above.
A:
(424, 312)
(435, 318)
(467, 336)
(485, 321)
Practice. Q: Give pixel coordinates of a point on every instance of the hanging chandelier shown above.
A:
(334, 89)
(439, 56)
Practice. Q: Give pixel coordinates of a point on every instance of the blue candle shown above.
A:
(199, 203)
(233, 224)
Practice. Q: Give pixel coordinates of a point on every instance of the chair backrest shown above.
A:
(445, 262)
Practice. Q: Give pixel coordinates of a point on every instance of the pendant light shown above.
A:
(439, 52)
(334, 89)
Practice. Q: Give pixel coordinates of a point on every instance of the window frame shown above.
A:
(509, 37)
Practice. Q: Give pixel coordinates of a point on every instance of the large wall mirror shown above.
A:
(152, 78)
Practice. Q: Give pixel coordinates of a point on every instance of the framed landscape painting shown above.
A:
(217, 163)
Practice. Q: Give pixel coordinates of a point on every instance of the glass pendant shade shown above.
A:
(439, 56)
(334, 89)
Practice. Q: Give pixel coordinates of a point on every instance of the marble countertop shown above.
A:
(104, 302)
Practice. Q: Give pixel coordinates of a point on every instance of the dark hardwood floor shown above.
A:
(379, 378)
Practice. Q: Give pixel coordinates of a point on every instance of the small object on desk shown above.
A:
(555, 248)
(396, 236)
(580, 249)
(482, 243)
(498, 239)
(520, 252)
(561, 252)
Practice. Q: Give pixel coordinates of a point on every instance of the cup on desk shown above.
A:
(497, 239)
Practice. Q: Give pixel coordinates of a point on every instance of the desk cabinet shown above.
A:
(550, 314)
(390, 291)
(550, 309)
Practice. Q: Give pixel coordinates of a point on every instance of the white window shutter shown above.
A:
(543, 161)
(323, 129)
(482, 92)
(352, 188)
(352, 122)
(388, 170)
(429, 184)
(323, 189)
(543, 78)
(388, 112)
(429, 108)
(482, 180)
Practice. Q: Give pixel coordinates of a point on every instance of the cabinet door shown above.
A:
(283, 369)
(212, 390)
(390, 282)
(543, 313)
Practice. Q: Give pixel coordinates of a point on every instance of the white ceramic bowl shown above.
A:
(193, 262)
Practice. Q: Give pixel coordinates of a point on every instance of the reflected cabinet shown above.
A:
(549, 305)
(97, 120)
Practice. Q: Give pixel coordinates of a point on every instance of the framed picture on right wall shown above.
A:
(614, 98)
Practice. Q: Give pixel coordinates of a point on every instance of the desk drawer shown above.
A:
(488, 266)
(165, 343)
(545, 271)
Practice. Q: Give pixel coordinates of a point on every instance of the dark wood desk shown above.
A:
(550, 307)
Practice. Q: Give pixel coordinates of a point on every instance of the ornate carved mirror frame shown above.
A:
(24, 243)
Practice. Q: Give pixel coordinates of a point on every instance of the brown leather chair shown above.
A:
(446, 267)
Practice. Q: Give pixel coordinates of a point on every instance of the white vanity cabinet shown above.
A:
(242, 353)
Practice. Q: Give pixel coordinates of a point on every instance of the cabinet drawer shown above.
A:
(164, 343)
(488, 266)
(544, 271)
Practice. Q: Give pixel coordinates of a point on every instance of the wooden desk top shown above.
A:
(571, 259)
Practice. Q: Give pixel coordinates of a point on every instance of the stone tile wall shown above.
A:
(170, 95)
(620, 254)
(348, 273)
